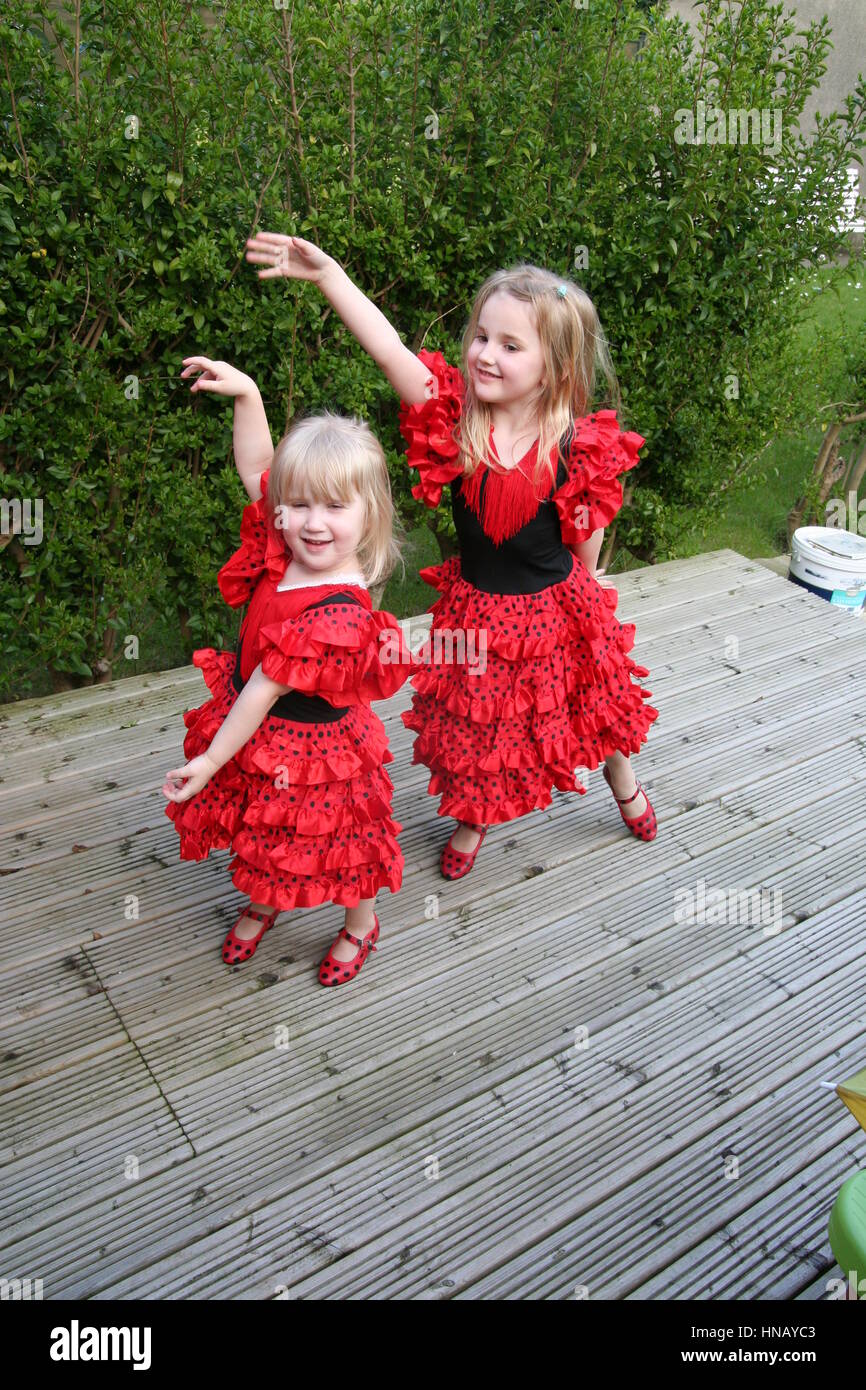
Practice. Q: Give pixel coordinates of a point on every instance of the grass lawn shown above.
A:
(755, 521)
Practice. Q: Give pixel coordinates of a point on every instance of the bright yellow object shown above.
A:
(853, 1092)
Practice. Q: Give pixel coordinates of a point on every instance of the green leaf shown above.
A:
(147, 197)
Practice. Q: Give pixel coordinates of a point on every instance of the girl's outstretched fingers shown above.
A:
(290, 256)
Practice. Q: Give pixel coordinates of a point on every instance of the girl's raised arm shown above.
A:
(294, 258)
(253, 446)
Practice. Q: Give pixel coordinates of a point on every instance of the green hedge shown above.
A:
(421, 145)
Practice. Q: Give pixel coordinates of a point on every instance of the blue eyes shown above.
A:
(332, 506)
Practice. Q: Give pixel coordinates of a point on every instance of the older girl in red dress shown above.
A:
(533, 475)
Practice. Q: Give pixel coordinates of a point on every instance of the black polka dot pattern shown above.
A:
(557, 694)
(559, 690)
(306, 808)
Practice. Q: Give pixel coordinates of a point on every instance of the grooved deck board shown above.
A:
(175, 1129)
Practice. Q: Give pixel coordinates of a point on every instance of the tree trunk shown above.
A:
(826, 465)
(103, 667)
(857, 474)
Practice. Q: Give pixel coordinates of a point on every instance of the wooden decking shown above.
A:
(437, 1129)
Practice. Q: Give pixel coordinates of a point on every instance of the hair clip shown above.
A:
(562, 291)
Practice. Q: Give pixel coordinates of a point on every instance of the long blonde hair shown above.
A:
(336, 457)
(573, 344)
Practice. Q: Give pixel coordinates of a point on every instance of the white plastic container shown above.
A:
(830, 562)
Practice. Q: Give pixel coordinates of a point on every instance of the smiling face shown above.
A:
(323, 535)
(505, 359)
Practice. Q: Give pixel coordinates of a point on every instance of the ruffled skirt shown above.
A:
(539, 685)
(306, 808)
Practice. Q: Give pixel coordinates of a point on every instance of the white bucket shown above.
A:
(830, 562)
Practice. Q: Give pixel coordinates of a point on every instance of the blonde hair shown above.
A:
(573, 343)
(334, 458)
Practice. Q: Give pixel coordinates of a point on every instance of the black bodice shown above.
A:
(531, 560)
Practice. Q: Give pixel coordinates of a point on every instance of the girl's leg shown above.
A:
(359, 921)
(465, 840)
(624, 783)
(248, 927)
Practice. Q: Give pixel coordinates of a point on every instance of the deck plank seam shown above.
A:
(138, 1052)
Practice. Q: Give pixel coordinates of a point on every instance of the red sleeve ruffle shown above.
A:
(591, 496)
(347, 654)
(262, 549)
(427, 426)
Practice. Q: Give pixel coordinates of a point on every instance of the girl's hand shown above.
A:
(219, 377)
(605, 583)
(288, 256)
(198, 773)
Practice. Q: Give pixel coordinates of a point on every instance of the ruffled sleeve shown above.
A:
(427, 426)
(591, 496)
(262, 550)
(339, 650)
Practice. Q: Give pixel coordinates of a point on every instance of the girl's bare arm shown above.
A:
(253, 446)
(297, 259)
(241, 722)
(589, 551)
(406, 372)
(244, 717)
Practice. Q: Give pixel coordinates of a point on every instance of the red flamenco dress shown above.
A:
(556, 691)
(305, 803)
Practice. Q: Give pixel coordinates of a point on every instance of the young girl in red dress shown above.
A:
(285, 760)
(534, 480)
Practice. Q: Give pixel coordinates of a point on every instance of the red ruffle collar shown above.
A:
(263, 550)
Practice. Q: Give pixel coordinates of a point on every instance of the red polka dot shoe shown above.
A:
(642, 827)
(337, 972)
(235, 949)
(455, 864)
